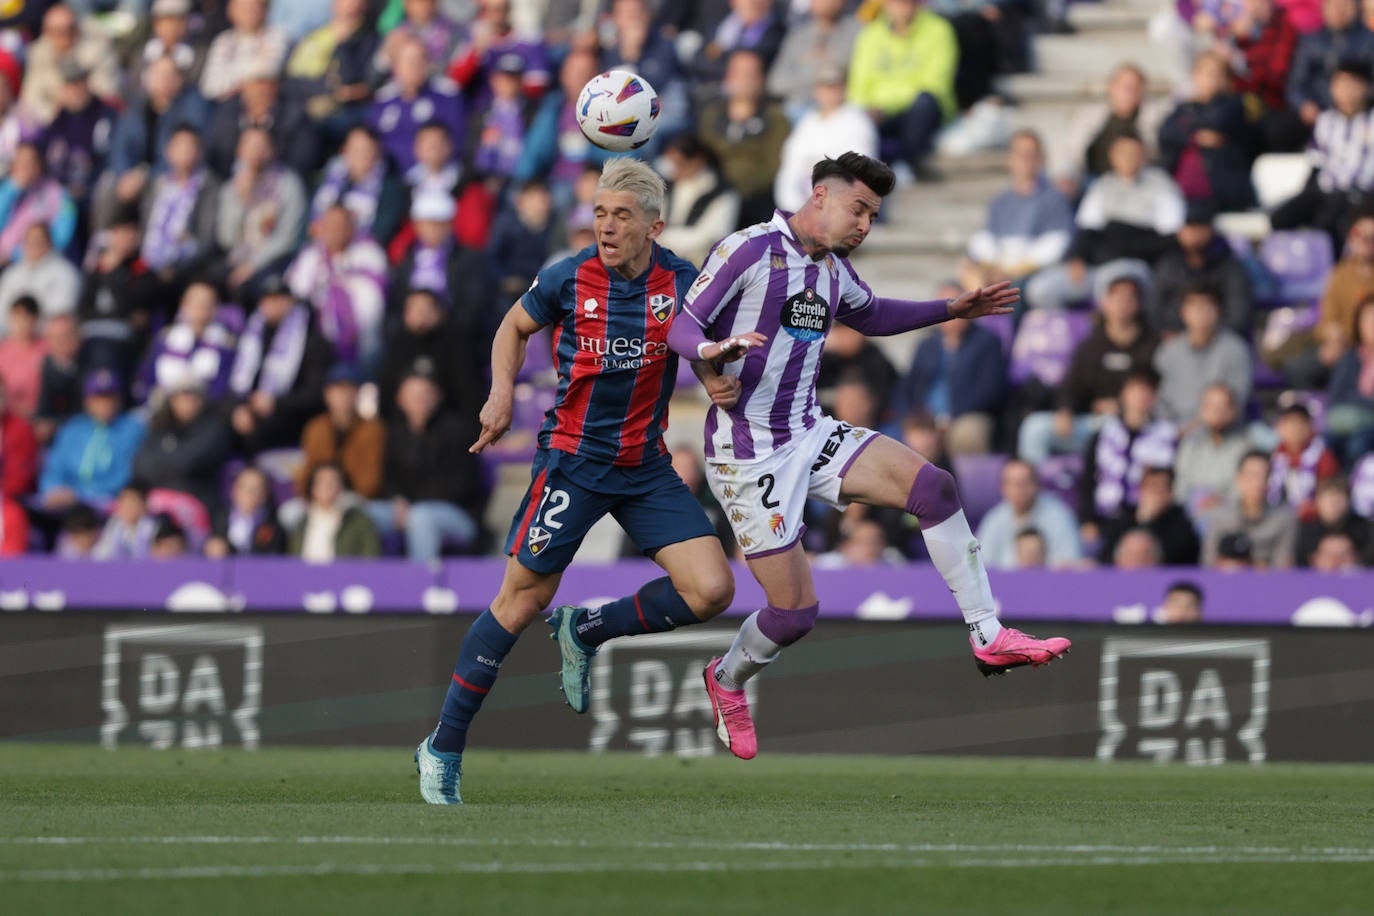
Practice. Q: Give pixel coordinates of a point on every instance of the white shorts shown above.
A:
(766, 499)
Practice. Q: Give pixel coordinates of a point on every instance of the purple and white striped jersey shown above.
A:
(761, 279)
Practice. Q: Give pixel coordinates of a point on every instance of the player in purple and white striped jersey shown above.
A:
(772, 291)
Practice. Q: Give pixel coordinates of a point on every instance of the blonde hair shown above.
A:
(625, 174)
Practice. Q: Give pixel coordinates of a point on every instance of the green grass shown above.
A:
(284, 831)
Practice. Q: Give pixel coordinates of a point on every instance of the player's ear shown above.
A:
(656, 228)
(818, 194)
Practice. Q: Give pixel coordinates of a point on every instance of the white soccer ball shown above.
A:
(618, 110)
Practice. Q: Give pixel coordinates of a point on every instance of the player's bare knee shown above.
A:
(711, 594)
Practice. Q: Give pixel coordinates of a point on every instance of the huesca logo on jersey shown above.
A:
(806, 316)
(661, 307)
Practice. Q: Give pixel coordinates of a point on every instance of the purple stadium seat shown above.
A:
(531, 403)
(1279, 326)
(980, 483)
(1300, 259)
(231, 316)
(1059, 476)
(1362, 487)
(280, 467)
(1002, 326)
(1045, 343)
(538, 357)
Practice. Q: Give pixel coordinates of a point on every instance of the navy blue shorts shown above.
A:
(568, 495)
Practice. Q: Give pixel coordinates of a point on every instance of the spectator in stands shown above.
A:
(170, 35)
(248, 526)
(170, 541)
(458, 276)
(17, 125)
(1025, 506)
(335, 525)
(331, 68)
(195, 342)
(248, 46)
(1118, 345)
(277, 381)
(341, 436)
(113, 307)
(1083, 151)
(186, 446)
(1199, 257)
(1118, 454)
(752, 25)
(521, 239)
(746, 130)
(1271, 531)
(1182, 605)
(18, 450)
(850, 355)
(1261, 41)
(1343, 39)
(1335, 553)
(1205, 471)
(41, 275)
(1029, 225)
(992, 40)
(500, 128)
(78, 139)
(1306, 359)
(432, 488)
(343, 276)
(1204, 353)
(261, 213)
(555, 146)
(92, 456)
(814, 133)
(143, 134)
(1332, 516)
(492, 34)
(1123, 224)
(1342, 156)
(413, 98)
(1300, 462)
(700, 207)
(863, 544)
(79, 532)
(425, 23)
(358, 179)
(959, 375)
(63, 42)
(637, 43)
(427, 342)
(180, 207)
(1154, 511)
(435, 167)
(260, 103)
(14, 528)
(128, 532)
(21, 357)
(902, 73)
(1137, 549)
(820, 44)
(59, 381)
(1350, 417)
(29, 197)
(1031, 551)
(1204, 143)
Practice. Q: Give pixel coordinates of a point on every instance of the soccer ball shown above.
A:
(618, 110)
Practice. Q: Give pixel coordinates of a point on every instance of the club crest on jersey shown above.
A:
(778, 525)
(539, 539)
(661, 307)
(806, 316)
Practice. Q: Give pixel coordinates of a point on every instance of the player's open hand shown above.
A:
(495, 418)
(724, 390)
(996, 299)
(732, 348)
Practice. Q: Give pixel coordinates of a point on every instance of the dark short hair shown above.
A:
(1202, 289)
(1352, 66)
(1145, 375)
(435, 125)
(1296, 409)
(81, 519)
(852, 167)
(1253, 454)
(1030, 531)
(689, 146)
(1165, 469)
(319, 469)
(25, 304)
(1183, 585)
(167, 528)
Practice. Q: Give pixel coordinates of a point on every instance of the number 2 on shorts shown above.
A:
(551, 506)
(766, 483)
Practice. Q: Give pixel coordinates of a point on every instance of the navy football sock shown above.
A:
(479, 661)
(653, 609)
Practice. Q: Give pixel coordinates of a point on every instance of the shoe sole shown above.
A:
(555, 620)
(988, 670)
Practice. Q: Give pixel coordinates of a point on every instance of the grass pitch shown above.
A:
(288, 831)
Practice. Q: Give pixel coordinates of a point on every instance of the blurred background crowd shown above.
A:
(254, 253)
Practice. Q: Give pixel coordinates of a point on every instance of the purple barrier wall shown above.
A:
(882, 593)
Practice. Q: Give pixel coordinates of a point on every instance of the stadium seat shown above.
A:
(1045, 343)
(1279, 326)
(280, 467)
(1278, 177)
(1301, 260)
(980, 483)
(1059, 476)
(1003, 326)
(231, 317)
(538, 358)
(1362, 487)
(527, 415)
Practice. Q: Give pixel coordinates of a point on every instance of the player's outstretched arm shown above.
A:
(507, 356)
(884, 317)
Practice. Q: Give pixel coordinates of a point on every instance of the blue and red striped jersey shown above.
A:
(610, 349)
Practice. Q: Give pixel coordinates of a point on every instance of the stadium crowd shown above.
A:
(255, 252)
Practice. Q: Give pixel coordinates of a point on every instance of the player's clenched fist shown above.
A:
(732, 348)
(724, 390)
(495, 418)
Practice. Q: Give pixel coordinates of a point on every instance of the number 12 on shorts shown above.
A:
(551, 505)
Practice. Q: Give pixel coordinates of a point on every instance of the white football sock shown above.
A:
(955, 552)
(749, 654)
